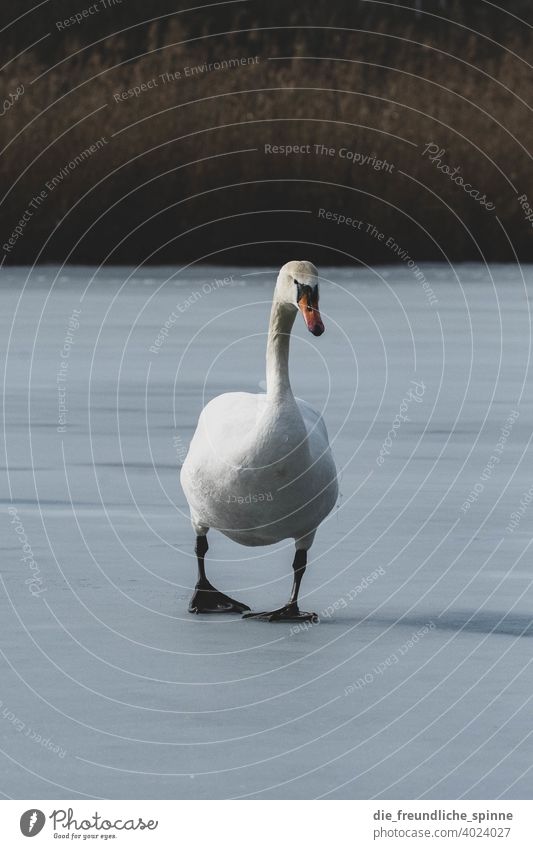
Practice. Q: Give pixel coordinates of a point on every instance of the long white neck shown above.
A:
(277, 356)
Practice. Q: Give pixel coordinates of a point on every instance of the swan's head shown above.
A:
(298, 286)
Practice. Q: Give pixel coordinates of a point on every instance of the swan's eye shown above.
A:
(308, 292)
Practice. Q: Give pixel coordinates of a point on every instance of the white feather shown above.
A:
(259, 467)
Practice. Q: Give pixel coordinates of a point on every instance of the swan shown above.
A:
(259, 467)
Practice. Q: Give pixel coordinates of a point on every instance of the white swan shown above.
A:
(259, 468)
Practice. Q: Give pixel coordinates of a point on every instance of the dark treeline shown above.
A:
(135, 132)
(27, 21)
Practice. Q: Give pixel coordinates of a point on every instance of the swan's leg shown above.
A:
(207, 599)
(291, 611)
(299, 565)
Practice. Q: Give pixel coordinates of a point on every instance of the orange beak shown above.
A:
(308, 306)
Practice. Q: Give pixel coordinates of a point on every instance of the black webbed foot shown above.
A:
(287, 613)
(207, 599)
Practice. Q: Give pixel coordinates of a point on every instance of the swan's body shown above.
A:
(259, 468)
(258, 472)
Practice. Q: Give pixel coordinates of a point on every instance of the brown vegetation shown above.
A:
(170, 183)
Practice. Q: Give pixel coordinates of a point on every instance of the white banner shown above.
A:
(266, 823)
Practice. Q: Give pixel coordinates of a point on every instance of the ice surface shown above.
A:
(109, 688)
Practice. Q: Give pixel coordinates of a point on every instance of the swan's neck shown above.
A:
(277, 358)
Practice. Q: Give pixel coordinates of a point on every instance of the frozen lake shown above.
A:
(417, 680)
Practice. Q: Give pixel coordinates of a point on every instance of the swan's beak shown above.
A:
(308, 306)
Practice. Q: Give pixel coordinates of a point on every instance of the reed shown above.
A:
(175, 118)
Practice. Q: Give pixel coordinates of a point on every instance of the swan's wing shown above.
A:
(214, 463)
(323, 467)
(314, 422)
(227, 419)
(221, 431)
